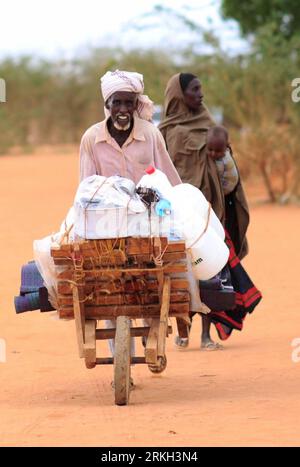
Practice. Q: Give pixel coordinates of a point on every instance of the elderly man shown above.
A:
(126, 142)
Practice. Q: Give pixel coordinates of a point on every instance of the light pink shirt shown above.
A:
(100, 154)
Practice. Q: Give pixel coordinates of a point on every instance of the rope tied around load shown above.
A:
(205, 228)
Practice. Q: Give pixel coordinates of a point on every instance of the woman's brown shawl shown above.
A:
(185, 136)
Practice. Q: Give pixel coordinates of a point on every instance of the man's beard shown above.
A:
(121, 128)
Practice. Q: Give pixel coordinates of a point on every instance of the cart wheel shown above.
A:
(122, 360)
(160, 367)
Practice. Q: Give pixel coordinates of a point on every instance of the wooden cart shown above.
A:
(123, 279)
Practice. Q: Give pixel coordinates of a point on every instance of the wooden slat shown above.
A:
(126, 299)
(110, 360)
(108, 261)
(68, 274)
(167, 257)
(134, 246)
(88, 264)
(137, 331)
(160, 275)
(104, 361)
(79, 322)
(137, 360)
(133, 311)
(151, 343)
(113, 257)
(89, 345)
(65, 288)
(109, 272)
(164, 313)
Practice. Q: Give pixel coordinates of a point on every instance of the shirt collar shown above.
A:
(137, 132)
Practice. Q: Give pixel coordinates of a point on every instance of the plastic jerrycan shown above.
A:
(188, 202)
(207, 250)
(157, 180)
(205, 243)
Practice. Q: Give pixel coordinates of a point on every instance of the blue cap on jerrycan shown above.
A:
(163, 207)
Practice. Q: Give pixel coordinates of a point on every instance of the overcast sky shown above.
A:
(66, 27)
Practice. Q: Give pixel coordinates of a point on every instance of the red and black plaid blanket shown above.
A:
(247, 297)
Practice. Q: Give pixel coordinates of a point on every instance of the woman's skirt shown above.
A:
(247, 296)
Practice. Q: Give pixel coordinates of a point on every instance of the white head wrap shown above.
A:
(114, 81)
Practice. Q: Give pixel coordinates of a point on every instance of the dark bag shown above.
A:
(218, 293)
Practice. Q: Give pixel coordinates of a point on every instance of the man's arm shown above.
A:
(86, 158)
(163, 161)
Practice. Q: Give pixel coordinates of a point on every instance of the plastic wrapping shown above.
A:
(106, 207)
(97, 192)
(45, 265)
(44, 260)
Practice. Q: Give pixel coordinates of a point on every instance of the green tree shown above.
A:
(254, 14)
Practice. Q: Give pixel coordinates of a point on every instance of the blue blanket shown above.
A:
(33, 294)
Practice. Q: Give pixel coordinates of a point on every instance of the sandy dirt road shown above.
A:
(245, 395)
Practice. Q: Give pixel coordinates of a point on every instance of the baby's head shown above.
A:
(217, 142)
